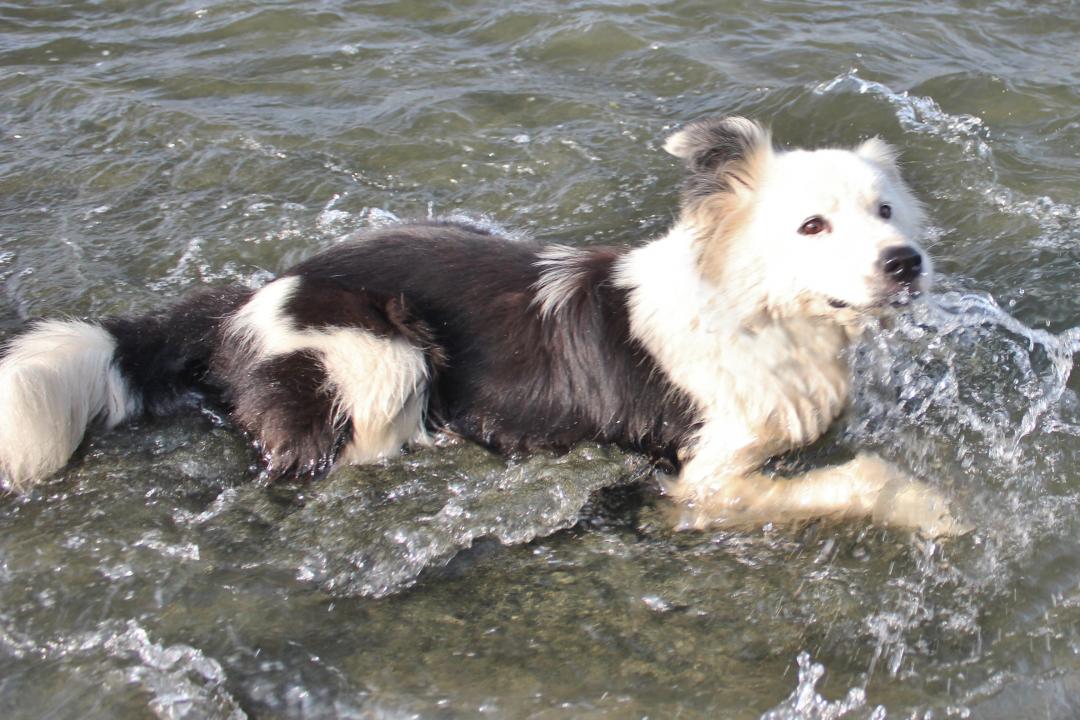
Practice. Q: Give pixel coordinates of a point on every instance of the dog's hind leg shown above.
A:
(866, 487)
(318, 374)
(288, 405)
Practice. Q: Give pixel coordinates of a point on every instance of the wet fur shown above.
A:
(713, 348)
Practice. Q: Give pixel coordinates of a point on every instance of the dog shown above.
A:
(715, 347)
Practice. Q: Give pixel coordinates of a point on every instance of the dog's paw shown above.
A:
(917, 506)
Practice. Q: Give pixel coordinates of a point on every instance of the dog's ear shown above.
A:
(726, 157)
(879, 152)
(704, 145)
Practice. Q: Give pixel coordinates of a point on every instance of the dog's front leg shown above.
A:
(866, 487)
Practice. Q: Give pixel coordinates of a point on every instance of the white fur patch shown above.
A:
(379, 383)
(845, 190)
(54, 381)
(763, 384)
(561, 275)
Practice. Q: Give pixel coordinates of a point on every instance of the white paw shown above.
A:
(917, 506)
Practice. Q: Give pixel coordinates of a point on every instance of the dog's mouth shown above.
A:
(898, 299)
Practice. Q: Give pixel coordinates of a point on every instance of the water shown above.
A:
(146, 148)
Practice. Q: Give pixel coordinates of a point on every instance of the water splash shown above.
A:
(805, 703)
(918, 113)
(923, 115)
(962, 393)
(962, 366)
(191, 262)
(332, 220)
(1054, 218)
(372, 531)
(181, 681)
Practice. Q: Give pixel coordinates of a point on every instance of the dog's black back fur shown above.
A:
(500, 370)
(503, 375)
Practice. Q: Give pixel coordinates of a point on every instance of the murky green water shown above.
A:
(146, 147)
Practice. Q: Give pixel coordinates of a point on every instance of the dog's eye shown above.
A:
(813, 226)
(885, 210)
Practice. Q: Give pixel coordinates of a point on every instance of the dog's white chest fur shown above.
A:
(787, 381)
(763, 387)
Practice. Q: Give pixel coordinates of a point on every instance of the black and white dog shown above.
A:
(716, 346)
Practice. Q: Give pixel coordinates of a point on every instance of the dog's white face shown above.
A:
(806, 231)
(837, 226)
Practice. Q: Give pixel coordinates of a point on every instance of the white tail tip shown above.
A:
(55, 380)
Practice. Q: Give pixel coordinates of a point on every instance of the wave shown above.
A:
(923, 115)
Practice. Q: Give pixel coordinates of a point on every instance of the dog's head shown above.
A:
(802, 231)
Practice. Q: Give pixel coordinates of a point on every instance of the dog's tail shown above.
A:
(57, 377)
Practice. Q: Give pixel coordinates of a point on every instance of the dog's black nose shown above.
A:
(902, 263)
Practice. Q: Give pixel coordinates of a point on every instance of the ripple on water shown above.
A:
(373, 538)
(120, 659)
